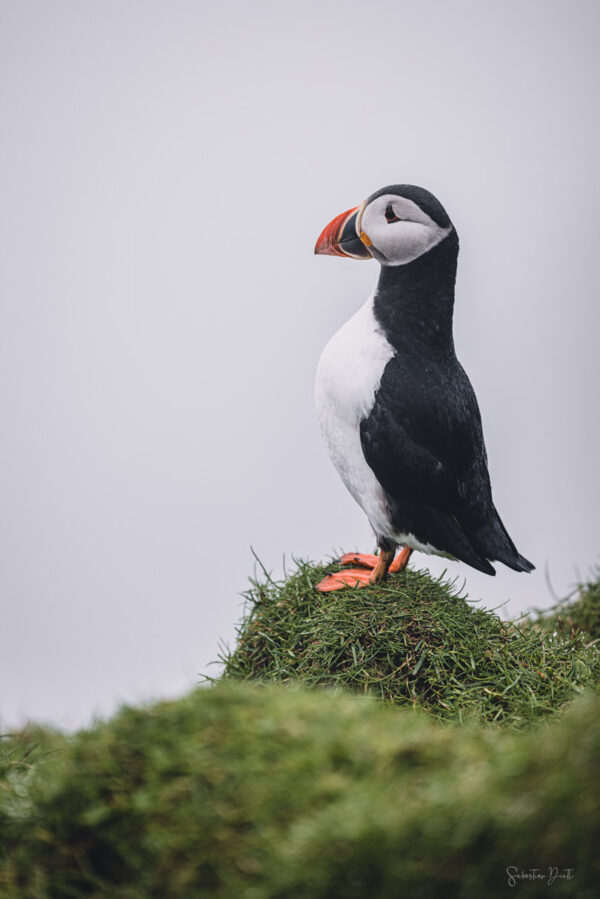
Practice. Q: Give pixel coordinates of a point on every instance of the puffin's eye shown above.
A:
(390, 215)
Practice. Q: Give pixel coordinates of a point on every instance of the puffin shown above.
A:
(397, 412)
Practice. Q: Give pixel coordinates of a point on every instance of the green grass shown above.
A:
(441, 747)
(414, 641)
(576, 615)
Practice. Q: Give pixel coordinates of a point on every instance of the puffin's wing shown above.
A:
(439, 487)
(429, 490)
(404, 465)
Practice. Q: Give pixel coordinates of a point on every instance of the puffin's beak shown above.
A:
(340, 237)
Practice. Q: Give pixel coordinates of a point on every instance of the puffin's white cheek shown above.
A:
(404, 241)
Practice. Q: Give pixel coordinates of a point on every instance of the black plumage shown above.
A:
(423, 437)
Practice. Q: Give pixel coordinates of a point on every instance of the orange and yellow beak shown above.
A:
(340, 237)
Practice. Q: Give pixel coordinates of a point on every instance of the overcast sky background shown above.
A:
(166, 168)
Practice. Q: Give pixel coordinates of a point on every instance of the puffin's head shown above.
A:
(395, 225)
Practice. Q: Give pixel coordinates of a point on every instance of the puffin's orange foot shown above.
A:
(352, 577)
(363, 577)
(365, 559)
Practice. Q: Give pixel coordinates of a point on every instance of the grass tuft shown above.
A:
(577, 615)
(414, 641)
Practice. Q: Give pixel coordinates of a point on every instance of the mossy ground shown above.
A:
(273, 790)
(244, 790)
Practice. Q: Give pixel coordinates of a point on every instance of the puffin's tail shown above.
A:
(494, 543)
(517, 562)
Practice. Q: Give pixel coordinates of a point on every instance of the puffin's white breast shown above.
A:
(348, 375)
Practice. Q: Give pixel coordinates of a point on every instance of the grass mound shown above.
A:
(265, 791)
(414, 641)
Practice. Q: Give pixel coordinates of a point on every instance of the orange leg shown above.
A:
(401, 560)
(380, 572)
(358, 577)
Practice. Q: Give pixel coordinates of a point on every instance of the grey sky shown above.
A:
(165, 170)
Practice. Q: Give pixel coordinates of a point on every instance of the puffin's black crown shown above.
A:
(423, 198)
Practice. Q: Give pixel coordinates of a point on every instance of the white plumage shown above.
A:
(348, 375)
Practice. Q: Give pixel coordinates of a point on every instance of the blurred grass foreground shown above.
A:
(383, 742)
